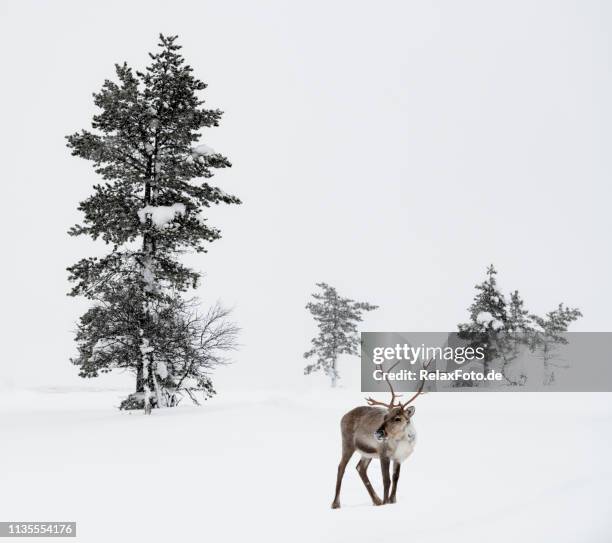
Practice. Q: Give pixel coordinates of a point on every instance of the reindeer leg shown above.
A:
(362, 469)
(396, 474)
(346, 456)
(384, 465)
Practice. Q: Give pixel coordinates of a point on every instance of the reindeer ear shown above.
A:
(410, 410)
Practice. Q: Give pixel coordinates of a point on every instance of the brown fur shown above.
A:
(359, 428)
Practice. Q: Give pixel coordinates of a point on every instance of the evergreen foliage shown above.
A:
(337, 318)
(502, 328)
(488, 318)
(549, 332)
(148, 209)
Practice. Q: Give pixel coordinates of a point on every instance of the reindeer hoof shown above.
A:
(336, 505)
(377, 501)
(392, 499)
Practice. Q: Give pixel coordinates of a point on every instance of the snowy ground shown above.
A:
(260, 466)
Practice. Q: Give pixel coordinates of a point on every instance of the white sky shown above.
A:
(393, 149)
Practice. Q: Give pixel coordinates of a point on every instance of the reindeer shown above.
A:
(378, 433)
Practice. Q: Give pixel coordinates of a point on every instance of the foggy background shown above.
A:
(391, 149)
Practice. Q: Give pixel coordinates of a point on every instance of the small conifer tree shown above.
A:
(502, 328)
(488, 318)
(549, 332)
(337, 318)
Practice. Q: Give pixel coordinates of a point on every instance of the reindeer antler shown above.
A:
(392, 404)
(372, 401)
(419, 390)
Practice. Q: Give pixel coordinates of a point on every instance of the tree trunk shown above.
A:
(148, 247)
(334, 375)
(139, 379)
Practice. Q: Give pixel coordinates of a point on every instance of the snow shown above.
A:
(260, 466)
(145, 348)
(202, 150)
(161, 215)
(161, 369)
(484, 317)
(199, 153)
(103, 345)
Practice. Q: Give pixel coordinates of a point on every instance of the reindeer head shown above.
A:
(394, 424)
(398, 414)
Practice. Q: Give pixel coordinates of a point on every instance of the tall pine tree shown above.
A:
(149, 210)
(337, 318)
